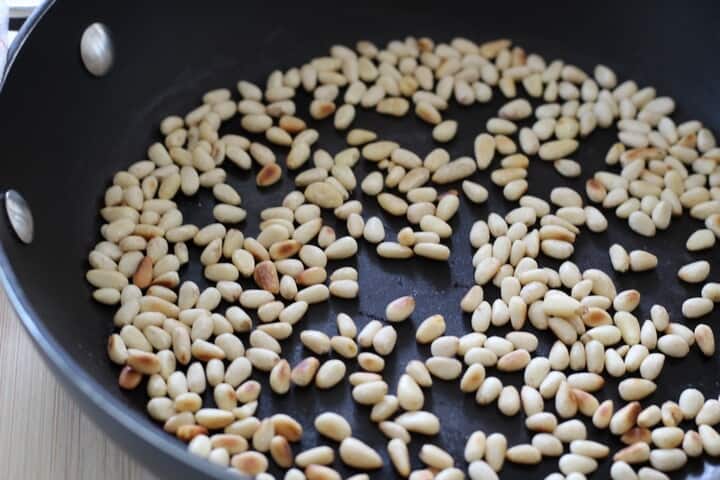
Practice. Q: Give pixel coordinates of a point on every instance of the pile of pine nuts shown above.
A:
(179, 338)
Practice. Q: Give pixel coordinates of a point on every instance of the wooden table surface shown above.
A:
(43, 433)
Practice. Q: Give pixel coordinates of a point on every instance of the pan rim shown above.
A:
(73, 377)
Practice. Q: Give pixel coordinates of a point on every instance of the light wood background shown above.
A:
(43, 434)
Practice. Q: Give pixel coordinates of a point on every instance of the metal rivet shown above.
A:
(96, 49)
(18, 212)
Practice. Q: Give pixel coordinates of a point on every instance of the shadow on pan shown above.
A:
(64, 133)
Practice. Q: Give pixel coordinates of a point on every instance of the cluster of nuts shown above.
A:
(185, 340)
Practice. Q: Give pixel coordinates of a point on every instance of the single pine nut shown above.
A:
(400, 309)
(358, 454)
(667, 460)
(330, 374)
(641, 260)
(333, 426)
(697, 307)
(399, 456)
(315, 456)
(547, 444)
(421, 422)
(524, 454)
(445, 131)
(695, 272)
(495, 450)
(572, 462)
(480, 470)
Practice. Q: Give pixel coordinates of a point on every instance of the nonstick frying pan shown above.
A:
(63, 133)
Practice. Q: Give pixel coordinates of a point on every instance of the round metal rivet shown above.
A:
(96, 49)
(18, 212)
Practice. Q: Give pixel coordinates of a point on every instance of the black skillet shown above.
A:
(64, 133)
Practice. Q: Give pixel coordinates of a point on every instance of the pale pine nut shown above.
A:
(571, 462)
(400, 309)
(667, 460)
(636, 388)
(557, 149)
(705, 340)
(333, 426)
(384, 340)
(495, 450)
(619, 258)
(330, 374)
(711, 291)
(419, 422)
(399, 456)
(695, 272)
(455, 170)
(445, 131)
(444, 368)
(524, 454)
(697, 307)
(509, 401)
(315, 456)
(641, 260)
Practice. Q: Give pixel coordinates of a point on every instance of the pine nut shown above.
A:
(641, 261)
(358, 454)
(547, 444)
(455, 170)
(400, 309)
(399, 456)
(330, 374)
(557, 149)
(333, 426)
(479, 470)
(315, 456)
(705, 339)
(495, 450)
(636, 388)
(571, 462)
(321, 472)
(421, 422)
(667, 460)
(673, 345)
(509, 401)
(711, 291)
(370, 393)
(383, 410)
(524, 454)
(695, 272)
(709, 414)
(444, 368)
(692, 444)
(489, 391)
(392, 204)
(513, 361)
(384, 340)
